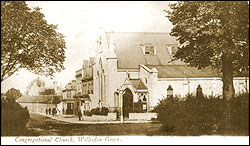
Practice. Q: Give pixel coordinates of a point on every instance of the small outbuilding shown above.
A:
(40, 103)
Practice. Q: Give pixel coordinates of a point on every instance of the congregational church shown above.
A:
(134, 70)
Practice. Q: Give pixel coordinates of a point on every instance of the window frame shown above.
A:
(149, 49)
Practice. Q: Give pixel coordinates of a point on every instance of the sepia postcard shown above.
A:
(124, 72)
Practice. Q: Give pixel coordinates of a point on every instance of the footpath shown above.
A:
(86, 120)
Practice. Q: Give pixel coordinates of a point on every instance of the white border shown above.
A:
(135, 140)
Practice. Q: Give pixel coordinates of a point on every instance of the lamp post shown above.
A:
(121, 103)
(37, 106)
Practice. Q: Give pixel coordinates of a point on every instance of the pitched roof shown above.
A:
(138, 84)
(70, 86)
(183, 71)
(35, 99)
(130, 54)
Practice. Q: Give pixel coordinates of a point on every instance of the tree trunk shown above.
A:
(227, 78)
(228, 89)
(2, 78)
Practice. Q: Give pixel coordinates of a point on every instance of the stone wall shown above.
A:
(142, 116)
(183, 86)
(109, 117)
(37, 107)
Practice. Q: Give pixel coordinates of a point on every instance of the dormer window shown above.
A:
(171, 50)
(174, 49)
(148, 49)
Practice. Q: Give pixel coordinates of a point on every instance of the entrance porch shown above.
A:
(133, 97)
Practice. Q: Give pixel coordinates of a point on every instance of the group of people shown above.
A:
(49, 111)
(54, 111)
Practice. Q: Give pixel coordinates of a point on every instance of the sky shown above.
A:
(79, 22)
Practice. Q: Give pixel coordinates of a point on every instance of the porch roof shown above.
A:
(138, 84)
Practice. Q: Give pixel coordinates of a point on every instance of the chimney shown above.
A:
(85, 63)
(92, 60)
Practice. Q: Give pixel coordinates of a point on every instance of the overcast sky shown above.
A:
(79, 23)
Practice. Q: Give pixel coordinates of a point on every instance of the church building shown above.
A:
(134, 70)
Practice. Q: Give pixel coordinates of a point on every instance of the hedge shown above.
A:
(191, 116)
(13, 118)
(98, 111)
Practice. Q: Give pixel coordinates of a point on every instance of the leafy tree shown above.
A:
(213, 33)
(13, 94)
(48, 92)
(28, 41)
(56, 100)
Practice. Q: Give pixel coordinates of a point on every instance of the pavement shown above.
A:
(87, 120)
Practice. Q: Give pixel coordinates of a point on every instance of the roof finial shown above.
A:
(128, 74)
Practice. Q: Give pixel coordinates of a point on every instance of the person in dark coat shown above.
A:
(53, 111)
(80, 115)
(46, 111)
(49, 111)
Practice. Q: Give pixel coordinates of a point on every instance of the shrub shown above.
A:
(104, 111)
(117, 111)
(88, 113)
(13, 118)
(240, 113)
(204, 116)
(96, 111)
(100, 111)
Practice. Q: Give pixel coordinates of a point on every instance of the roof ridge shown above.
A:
(138, 32)
(171, 65)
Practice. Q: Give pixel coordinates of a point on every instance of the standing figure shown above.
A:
(46, 111)
(49, 111)
(53, 111)
(80, 115)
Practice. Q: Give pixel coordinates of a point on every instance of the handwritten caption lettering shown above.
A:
(59, 139)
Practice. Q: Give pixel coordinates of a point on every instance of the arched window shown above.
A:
(170, 91)
(144, 98)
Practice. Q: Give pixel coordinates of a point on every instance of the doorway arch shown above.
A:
(127, 102)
